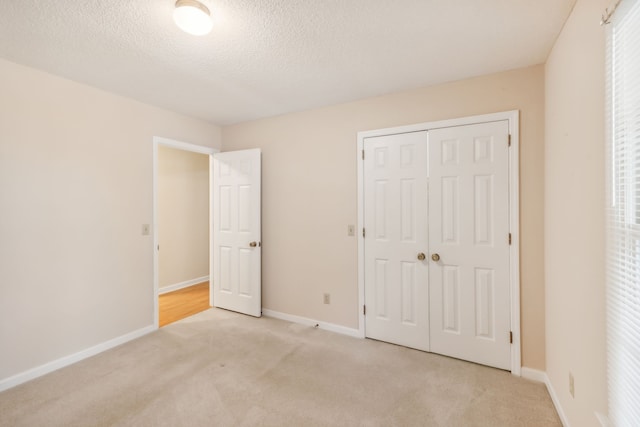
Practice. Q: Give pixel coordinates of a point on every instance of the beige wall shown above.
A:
(310, 192)
(183, 216)
(75, 189)
(574, 214)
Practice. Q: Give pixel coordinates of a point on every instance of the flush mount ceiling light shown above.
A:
(192, 17)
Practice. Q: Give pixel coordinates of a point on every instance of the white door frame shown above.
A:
(514, 213)
(185, 146)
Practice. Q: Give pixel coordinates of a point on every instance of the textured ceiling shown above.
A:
(270, 57)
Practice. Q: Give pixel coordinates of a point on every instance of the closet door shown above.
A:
(436, 246)
(469, 243)
(395, 212)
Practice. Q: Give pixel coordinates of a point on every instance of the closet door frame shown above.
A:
(514, 214)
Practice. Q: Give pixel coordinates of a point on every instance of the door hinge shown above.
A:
(509, 238)
(510, 337)
(364, 310)
(509, 139)
(363, 233)
(362, 154)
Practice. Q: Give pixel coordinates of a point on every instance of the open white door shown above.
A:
(236, 232)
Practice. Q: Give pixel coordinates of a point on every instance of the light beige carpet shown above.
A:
(219, 368)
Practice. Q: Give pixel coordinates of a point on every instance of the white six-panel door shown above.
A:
(236, 232)
(443, 193)
(469, 232)
(395, 186)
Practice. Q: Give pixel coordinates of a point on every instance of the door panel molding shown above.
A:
(514, 214)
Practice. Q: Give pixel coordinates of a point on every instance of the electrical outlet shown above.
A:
(572, 389)
(146, 229)
(327, 298)
(351, 230)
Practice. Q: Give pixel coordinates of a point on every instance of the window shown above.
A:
(623, 215)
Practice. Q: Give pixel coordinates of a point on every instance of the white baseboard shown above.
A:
(182, 285)
(556, 402)
(603, 419)
(310, 322)
(533, 375)
(41, 370)
(540, 376)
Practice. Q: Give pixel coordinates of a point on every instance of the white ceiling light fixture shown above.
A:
(192, 17)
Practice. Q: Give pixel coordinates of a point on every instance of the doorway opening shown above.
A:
(176, 305)
(182, 211)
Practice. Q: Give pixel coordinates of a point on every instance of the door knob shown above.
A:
(421, 256)
(253, 244)
(435, 257)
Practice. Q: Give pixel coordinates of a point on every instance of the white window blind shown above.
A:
(623, 215)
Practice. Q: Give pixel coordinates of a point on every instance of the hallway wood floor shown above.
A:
(183, 303)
